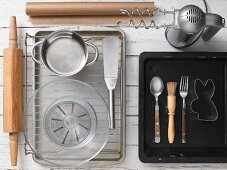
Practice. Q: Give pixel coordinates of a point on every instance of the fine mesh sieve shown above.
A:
(64, 53)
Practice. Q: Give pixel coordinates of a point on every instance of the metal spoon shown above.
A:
(156, 88)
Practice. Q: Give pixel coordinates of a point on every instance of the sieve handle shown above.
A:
(33, 51)
(96, 53)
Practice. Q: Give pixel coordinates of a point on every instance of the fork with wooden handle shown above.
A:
(183, 94)
(171, 105)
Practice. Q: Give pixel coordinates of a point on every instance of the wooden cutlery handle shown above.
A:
(171, 104)
(183, 125)
(157, 126)
(171, 129)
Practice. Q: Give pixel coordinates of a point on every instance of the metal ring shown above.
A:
(96, 54)
(33, 52)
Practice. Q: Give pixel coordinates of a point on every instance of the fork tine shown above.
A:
(181, 80)
(185, 86)
(187, 83)
(183, 83)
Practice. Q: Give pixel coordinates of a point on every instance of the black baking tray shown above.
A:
(206, 140)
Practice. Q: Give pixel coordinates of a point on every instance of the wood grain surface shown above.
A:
(85, 8)
(137, 41)
(13, 90)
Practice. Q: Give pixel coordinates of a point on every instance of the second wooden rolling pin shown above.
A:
(84, 8)
(13, 91)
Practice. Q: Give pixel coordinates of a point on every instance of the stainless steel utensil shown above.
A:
(70, 122)
(183, 94)
(203, 104)
(156, 88)
(111, 50)
(190, 22)
(64, 53)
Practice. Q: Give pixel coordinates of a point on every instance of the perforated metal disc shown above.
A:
(70, 122)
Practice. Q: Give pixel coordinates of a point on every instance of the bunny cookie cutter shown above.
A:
(203, 104)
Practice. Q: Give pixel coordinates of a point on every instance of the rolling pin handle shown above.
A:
(13, 138)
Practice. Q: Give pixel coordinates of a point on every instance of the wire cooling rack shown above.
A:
(37, 75)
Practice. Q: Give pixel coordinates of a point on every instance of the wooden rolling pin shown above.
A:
(13, 90)
(88, 20)
(171, 105)
(84, 8)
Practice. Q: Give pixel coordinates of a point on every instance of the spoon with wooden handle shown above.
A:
(13, 90)
(156, 88)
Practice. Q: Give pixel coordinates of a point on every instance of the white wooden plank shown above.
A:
(131, 162)
(18, 9)
(137, 42)
(218, 43)
(26, 161)
(131, 100)
(132, 70)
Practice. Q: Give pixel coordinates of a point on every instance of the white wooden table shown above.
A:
(138, 41)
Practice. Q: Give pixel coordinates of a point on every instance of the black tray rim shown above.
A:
(171, 55)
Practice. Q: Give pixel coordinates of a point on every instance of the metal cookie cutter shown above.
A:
(203, 104)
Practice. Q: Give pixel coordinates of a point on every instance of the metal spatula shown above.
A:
(111, 50)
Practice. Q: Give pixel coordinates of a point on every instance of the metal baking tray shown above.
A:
(37, 76)
(206, 140)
